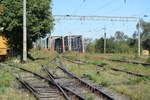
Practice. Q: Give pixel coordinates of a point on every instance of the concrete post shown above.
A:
(63, 44)
(83, 47)
(69, 43)
(24, 32)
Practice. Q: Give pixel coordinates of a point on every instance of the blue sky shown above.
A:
(93, 29)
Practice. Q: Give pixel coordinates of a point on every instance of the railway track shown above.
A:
(131, 62)
(41, 90)
(41, 87)
(51, 88)
(113, 60)
(47, 89)
(76, 61)
(80, 86)
(88, 87)
(131, 73)
(83, 62)
(58, 84)
(114, 69)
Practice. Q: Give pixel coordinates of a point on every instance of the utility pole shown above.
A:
(139, 38)
(24, 32)
(104, 40)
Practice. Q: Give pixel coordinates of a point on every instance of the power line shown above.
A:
(115, 9)
(125, 1)
(103, 6)
(75, 11)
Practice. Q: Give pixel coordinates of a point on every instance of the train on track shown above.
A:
(3, 48)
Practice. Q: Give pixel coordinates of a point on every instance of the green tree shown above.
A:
(111, 45)
(99, 45)
(87, 41)
(39, 21)
(132, 42)
(145, 35)
(146, 30)
(146, 44)
(120, 36)
(90, 47)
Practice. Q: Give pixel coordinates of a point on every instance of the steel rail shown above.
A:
(73, 61)
(67, 89)
(74, 93)
(29, 87)
(54, 58)
(94, 89)
(42, 77)
(132, 62)
(53, 80)
(117, 60)
(120, 70)
(83, 62)
(131, 73)
(52, 83)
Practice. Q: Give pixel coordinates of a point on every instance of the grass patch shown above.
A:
(87, 57)
(123, 58)
(5, 80)
(8, 83)
(134, 87)
(148, 60)
(96, 78)
(89, 97)
(136, 80)
(8, 89)
(71, 57)
(133, 91)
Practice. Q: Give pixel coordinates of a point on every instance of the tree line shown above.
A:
(39, 21)
(121, 43)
